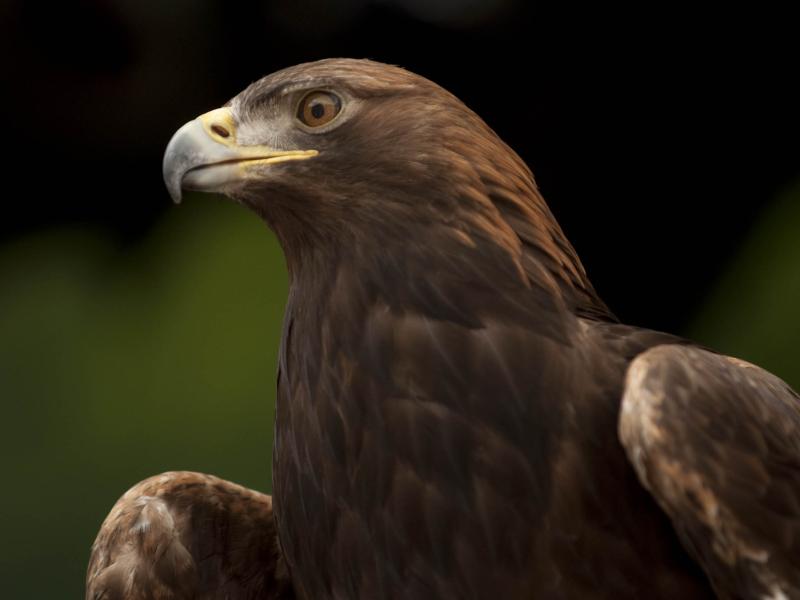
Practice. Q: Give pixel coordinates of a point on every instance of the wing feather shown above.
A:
(716, 441)
(188, 536)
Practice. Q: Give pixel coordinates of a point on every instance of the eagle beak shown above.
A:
(203, 155)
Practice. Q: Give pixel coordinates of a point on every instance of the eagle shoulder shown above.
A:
(716, 441)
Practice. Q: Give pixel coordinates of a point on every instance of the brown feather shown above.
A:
(188, 536)
(717, 441)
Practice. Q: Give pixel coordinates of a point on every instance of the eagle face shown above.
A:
(337, 147)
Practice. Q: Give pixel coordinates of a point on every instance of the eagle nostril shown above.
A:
(220, 130)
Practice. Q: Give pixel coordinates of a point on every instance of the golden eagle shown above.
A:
(459, 414)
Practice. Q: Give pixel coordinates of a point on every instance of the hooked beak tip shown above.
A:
(174, 189)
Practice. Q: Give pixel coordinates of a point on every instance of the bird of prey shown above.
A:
(459, 414)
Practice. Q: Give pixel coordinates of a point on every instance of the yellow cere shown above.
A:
(219, 118)
(280, 156)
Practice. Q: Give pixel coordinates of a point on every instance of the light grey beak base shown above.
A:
(203, 155)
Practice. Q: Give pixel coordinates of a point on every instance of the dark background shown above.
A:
(137, 337)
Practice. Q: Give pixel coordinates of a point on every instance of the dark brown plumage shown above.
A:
(450, 384)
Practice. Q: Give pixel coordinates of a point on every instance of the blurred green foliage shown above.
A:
(119, 363)
(754, 310)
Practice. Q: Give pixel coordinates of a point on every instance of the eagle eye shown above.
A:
(318, 108)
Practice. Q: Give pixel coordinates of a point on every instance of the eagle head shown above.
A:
(384, 170)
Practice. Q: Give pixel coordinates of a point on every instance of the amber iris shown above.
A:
(318, 108)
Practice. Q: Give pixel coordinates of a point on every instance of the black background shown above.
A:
(657, 132)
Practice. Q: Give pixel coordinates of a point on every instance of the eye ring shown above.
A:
(318, 108)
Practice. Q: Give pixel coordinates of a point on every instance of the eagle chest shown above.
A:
(386, 476)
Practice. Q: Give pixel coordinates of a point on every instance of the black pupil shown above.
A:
(318, 110)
